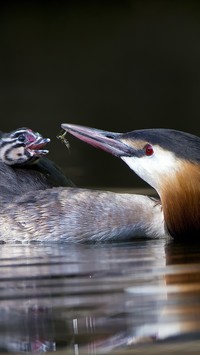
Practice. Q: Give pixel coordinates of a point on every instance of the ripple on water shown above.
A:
(100, 298)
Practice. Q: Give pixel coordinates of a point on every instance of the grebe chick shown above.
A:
(23, 166)
(21, 146)
(168, 160)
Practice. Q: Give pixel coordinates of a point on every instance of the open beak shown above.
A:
(36, 145)
(109, 141)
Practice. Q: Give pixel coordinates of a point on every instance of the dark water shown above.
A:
(140, 297)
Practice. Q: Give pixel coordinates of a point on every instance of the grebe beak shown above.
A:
(108, 141)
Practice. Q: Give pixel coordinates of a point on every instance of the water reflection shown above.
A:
(89, 299)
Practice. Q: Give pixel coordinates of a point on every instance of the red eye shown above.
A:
(148, 149)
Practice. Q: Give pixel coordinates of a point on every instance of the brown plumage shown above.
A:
(181, 202)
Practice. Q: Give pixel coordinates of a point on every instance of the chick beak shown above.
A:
(108, 141)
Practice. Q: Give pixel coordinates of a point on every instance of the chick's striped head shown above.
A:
(21, 146)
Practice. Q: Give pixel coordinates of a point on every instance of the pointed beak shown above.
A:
(109, 141)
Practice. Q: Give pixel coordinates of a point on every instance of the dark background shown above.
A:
(117, 66)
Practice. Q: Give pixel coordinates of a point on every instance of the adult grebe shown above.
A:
(168, 160)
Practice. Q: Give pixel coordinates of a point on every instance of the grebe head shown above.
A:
(21, 146)
(153, 154)
(167, 159)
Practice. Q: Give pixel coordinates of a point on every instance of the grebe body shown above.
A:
(79, 215)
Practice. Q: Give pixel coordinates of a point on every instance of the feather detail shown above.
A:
(181, 201)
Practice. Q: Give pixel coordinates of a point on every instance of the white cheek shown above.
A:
(16, 154)
(154, 168)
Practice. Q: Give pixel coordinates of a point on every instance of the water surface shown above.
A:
(136, 297)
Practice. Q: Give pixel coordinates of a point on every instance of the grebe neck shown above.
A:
(180, 200)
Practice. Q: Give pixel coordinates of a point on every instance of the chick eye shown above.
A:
(148, 149)
(21, 138)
